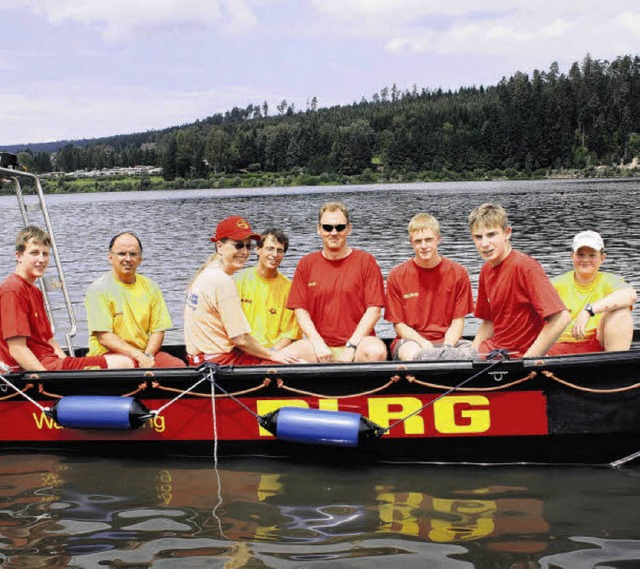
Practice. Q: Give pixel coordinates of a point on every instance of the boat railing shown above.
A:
(54, 288)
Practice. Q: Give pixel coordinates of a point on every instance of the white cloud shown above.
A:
(122, 19)
(68, 111)
(545, 30)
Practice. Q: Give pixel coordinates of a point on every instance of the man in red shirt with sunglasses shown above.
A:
(338, 294)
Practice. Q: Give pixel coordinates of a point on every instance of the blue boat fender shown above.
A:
(319, 427)
(99, 412)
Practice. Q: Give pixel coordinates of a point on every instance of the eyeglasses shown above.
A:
(125, 254)
(329, 228)
(273, 250)
(239, 245)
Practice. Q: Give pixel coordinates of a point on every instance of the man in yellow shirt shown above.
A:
(599, 302)
(264, 292)
(126, 311)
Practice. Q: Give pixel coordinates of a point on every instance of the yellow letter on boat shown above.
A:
(471, 419)
(380, 413)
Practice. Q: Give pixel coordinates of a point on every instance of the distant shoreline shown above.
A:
(64, 184)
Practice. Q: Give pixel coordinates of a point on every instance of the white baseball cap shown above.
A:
(590, 239)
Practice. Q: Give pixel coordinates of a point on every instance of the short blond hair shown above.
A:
(333, 206)
(488, 215)
(32, 232)
(421, 222)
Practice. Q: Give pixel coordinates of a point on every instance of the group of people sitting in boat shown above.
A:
(328, 312)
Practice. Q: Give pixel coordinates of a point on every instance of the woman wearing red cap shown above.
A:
(215, 327)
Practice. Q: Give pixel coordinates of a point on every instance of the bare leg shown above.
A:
(616, 330)
(118, 361)
(408, 351)
(302, 349)
(371, 349)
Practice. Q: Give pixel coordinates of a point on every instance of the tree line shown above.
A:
(546, 120)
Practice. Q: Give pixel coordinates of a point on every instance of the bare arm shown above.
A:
(282, 343)
(248, 344)
(322, 351)
(623, 298)
(57, 348)
(405, 331)
(365, 326)
(23, 355)
(550, 332)
(114, 343)
(485, 331)
(154, 344)
(454, 332)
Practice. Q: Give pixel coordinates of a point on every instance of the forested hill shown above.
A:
(547, 120)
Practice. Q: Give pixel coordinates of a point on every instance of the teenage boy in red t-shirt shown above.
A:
(26, 337)
(428, 297)
(338, 295)
(520, 310)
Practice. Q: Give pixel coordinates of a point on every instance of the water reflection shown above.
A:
(175, 226)
(56, 512)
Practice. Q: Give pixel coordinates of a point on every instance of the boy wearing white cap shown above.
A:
(599, 302)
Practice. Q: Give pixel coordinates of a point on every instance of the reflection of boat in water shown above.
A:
(91, 512)
(568, 409)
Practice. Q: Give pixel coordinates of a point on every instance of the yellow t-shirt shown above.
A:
(212, 313)
(131, 311)
(575, 296)
(264, 302)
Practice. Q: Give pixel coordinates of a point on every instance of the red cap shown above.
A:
(234, 227)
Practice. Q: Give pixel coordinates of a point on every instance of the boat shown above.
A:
(578, 409)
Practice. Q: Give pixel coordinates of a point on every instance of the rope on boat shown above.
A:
(182, 394)
(413, 379)
(21, 392)
(451, 390)
(12, 395)
(265, 383)
(281, 385)
(141, 387)
(554, 377)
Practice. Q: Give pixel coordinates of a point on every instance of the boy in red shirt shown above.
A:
(26, 337)
(520, 310)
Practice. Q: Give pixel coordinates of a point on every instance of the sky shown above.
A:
(75, 69)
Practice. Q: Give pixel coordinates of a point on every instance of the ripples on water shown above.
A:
(175, 227)
(90, 512)
(57, 512)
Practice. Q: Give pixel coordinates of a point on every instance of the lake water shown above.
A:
(58, 511)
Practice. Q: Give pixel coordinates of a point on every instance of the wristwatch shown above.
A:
(351, 345)
(589, 309)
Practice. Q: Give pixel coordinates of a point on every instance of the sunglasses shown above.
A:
(240, 246)
(329, 228)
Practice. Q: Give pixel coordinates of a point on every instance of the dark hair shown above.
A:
(279, 235)
(113, 239)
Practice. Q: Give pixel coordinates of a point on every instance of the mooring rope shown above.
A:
(554, 377)
(12, 395)
(265, 383)
(429, 403)
(412, 379)
(182, 394)
(214, 418)
(21, 392)
(281, 385)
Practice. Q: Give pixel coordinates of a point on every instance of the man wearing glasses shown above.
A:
(126, 311)
(264, 291)
(338, 295)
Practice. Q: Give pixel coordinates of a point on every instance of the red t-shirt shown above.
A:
(516, 296)
(22, 313)
(428, 300)
(336, 294)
